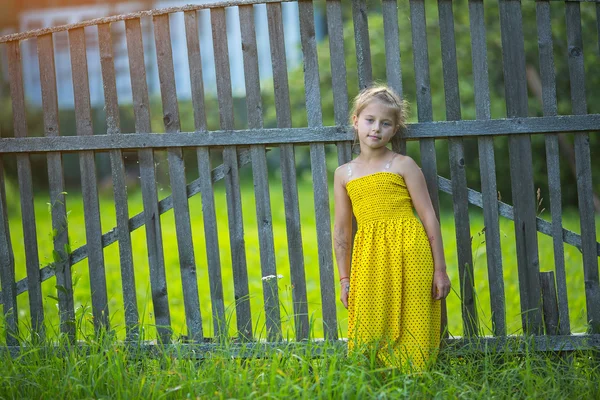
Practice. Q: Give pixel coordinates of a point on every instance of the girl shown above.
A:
(398, 274)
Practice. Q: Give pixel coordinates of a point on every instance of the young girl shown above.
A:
(398, 274)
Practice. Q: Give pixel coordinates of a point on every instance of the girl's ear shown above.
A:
(355, 121)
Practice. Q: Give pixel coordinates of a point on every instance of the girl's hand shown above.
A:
(345, 286)
(441, 285)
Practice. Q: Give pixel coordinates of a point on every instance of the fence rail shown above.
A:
(544, 304)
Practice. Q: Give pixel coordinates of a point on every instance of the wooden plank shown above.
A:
(335, 29)
(62, 262)
(251, 72)
(133, 16)
(254, 112)
(312, 90)
(319, 169)
(141, 108)
(225, 97)
(279, 65)
(288, 174)
(221, 52)
(211, 236)
(232, 183)
(111, 105)
(89, 188)
(513, 345)
(425, 112)
(7, 271)
(275, 136)
(266, 242)
(457, 172)
(24, 176)
(521, 173)
(236, 237)
(550, 303)
(185, 246)
(393, 68)
(548, 78)
(195, 65)
(363, 48)
(288, 170)
(487, 167)
(424, 107)
(585, 191)
(598, 23)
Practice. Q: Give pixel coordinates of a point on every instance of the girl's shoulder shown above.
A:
(402, 164)
(343, 173)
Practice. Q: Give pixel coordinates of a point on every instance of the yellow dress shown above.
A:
(390, 306)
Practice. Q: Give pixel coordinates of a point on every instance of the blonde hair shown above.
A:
(385, 95)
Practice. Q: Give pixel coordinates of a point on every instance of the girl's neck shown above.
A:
(369, 155)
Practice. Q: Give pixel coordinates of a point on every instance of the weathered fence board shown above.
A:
(521, 166)
(585, 191)
(487, 168)
(7, 271)
(177, 179)
(328, 134)
(549, 105)
(457, 171)
(335, 28)
(284, 120)
(141, 111)
(363, 47)
(319, 169)
(550, 303)
(424, 106)
(89, 185)
(62, 263)
(254, 110)
(111, 105)
(195, 65)
(393, 68)
(26, 191)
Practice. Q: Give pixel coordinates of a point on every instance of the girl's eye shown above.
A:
(369, 119)
(387, 124)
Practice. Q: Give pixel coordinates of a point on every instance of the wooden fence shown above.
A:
(543, 297)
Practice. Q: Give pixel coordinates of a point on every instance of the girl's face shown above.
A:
(375, 125)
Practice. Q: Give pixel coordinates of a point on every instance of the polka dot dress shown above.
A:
(390, 305)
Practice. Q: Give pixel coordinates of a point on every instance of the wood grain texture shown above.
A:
(111, 104)
(151, 216)
(56, 185)
(89, 185)
(424, 107)
(7, 271)
(520, 158)
(548, 78)
(183, 229)
(195, 65)
(24, 178)
(487, 168)
(585, 191)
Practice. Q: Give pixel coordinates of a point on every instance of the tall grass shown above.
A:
(105, 368)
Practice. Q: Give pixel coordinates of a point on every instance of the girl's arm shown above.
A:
(342, 232)
(417, 187)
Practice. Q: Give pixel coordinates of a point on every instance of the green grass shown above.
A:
(575, 281)
(107, 369)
